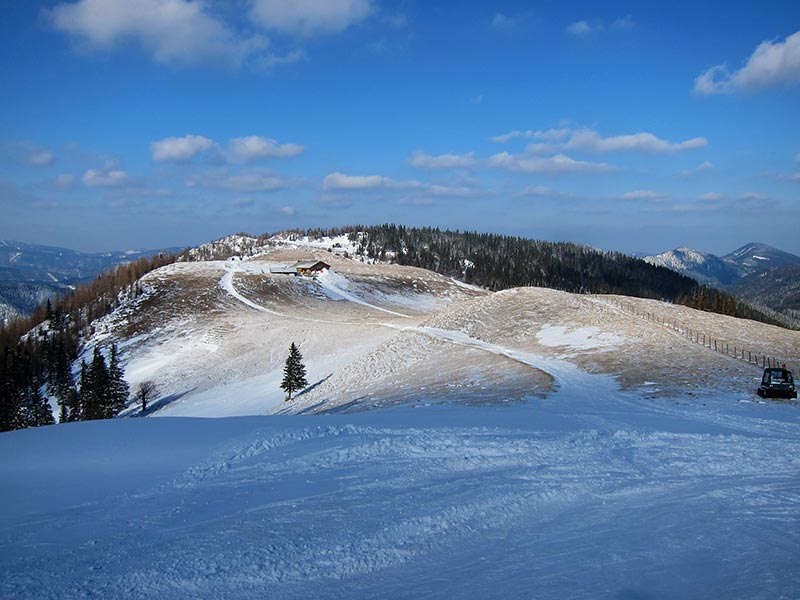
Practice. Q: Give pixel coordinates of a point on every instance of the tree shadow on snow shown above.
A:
(312, 386)
(159, 404)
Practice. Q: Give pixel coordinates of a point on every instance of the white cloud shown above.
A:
(253, 147)
(772, 64)
(27, 153)
(171, 31)
(551, 135)
(582, 28)
(274, 60)
(558, 164)
(588, 140)
(541, 191)
(241, 201)
(443, 161)
(752, 197)
(711, 197)
(579, 28)
(548, 136)
(537, 190)
(287, 210)
(506, 137)
(644, 195)
(623, 23)
(180, 149)
(703, 166)
(500, 21)
(253, 180)
(36, 156)
(427, 189)
(340, 181)
(309, 17)
(65, 180)
(106, 178)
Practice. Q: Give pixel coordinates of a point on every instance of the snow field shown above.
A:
(528, 501)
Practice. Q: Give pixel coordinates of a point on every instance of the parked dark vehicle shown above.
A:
(777, 383)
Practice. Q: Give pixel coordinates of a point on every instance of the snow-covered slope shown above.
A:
(591, 493)
(533, 444)
(214, 336)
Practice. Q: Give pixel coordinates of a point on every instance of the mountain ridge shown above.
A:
(759, 273)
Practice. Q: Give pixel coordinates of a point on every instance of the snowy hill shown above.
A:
(525, 443)
(214, 335)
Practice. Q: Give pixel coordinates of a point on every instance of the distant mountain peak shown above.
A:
(706, 268)
(754, 257)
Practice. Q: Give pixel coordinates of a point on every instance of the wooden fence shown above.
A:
(712, 342)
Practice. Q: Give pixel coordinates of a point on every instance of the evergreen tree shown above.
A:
(84, 391)
(35, 408)
(95, 384)
(118, 387)
(10, 396)
(63, 387)
(294, 372)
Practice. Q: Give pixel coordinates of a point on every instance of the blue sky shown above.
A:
(629, 126)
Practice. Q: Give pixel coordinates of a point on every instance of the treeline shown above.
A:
(499, 262)
(37, 352)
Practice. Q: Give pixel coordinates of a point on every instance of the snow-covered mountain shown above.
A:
(764, 275)
(706, 268)
(757, 258)
(723, 271)
(529, 443)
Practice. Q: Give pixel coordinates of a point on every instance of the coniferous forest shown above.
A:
(499, 262)
(37, 353)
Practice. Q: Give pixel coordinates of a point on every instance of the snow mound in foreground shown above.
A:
(582, 498)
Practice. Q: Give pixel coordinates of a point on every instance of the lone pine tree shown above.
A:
(294, 372)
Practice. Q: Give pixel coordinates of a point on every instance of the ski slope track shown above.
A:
(452, 443)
